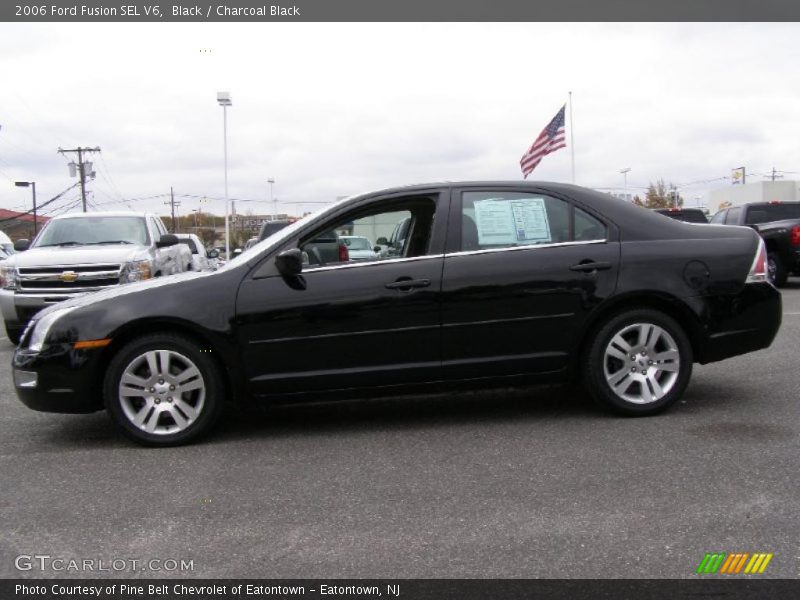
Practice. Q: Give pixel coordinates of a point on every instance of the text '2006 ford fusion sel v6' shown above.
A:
(493, 284)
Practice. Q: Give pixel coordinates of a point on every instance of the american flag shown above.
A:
(551, 139)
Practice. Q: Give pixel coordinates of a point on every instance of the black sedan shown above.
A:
(496, 283)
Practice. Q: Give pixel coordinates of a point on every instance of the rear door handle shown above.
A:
(407, 284)
(589, 266)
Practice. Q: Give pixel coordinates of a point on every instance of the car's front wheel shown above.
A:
(638, 363)
(162, 390)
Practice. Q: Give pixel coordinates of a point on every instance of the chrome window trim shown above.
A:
(526, 247)
(373, 263)
(452, 254)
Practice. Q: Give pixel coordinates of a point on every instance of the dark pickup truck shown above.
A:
(778, 223)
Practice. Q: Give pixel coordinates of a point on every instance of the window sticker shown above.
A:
(512, 222)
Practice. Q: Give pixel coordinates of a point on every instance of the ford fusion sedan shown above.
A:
(494, 284)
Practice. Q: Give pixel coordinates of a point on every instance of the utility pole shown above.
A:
(81, 167)
(233, 220)
(173, 204)
(774, 175)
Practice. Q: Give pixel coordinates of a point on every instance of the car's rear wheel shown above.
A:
(162, 391)
(14, 334)
(638, 363)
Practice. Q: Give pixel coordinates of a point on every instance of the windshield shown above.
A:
(357, 243)
(80, 231)
(764, 213)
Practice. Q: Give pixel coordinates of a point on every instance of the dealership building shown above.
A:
(760, 191)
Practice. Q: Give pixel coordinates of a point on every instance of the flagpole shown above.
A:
(571, 138)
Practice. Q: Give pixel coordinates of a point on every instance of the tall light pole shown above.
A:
(224, 100)
(625, 172)
(32, 185)
(271, 182)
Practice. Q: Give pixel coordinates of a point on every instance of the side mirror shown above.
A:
(290, 262)
(377, 249)
(213, 253)
(22, 245)
(166, 240)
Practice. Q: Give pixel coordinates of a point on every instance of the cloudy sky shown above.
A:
(329, 110)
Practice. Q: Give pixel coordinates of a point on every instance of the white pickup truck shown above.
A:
(78, 253)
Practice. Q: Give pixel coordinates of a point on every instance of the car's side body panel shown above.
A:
(488, 315)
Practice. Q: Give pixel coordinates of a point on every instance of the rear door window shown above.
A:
(493, 220)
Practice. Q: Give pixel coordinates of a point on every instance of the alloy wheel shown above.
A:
(641, 363)
(162, 392)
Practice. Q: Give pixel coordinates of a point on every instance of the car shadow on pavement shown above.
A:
(411, 412)
(543, 403)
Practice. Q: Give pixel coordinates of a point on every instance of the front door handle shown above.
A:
(590, 266)
(406, 283)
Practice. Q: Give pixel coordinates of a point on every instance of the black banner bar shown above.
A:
(398, 10)
(405, 589)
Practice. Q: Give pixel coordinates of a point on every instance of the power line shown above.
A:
(40, 206)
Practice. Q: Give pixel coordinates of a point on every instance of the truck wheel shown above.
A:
(162, 391)
(776, 272)
(638, 363)
(13, 333)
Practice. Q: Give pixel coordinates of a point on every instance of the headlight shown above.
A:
(42, 326)
(137, 270)
(8, 277)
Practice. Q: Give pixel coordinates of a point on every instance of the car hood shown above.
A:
(119, 291)
(76, 255)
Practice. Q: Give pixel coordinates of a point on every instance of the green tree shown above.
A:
(662, 195)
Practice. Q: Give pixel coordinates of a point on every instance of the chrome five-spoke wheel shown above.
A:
(164, 389)
(638, 362)
(642, 363)
(162, 392)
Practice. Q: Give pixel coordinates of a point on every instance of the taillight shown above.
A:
(344, 253)
(796, 235)
(758, 272)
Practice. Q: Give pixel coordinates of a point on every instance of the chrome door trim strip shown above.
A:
(527, 247)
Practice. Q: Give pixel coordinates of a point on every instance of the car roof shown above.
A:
(635, 222)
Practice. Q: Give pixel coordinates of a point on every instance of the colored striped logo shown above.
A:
(733, 564)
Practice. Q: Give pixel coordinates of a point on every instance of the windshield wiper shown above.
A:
(62, 244)
(111, 242)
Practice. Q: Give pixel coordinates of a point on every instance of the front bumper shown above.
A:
(59, 379)
(742, 323)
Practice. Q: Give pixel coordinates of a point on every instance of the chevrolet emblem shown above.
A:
(68, 276)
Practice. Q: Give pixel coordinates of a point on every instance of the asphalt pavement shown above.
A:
(512, 483)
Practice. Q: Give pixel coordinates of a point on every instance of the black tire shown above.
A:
(776, 270)
(597, 366)
(183, 351)
(14, 334)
